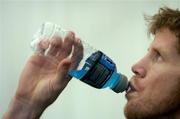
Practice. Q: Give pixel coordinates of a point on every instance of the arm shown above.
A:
(44, 77)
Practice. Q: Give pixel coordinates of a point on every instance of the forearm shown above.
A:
(19, 109)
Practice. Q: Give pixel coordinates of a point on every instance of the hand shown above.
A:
(45, 76)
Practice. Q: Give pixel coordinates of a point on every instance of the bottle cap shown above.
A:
(121, 85)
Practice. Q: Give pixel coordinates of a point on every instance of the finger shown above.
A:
(62, 77)
(67, 46)
(77, 54)
(42, 46)
(55, 46)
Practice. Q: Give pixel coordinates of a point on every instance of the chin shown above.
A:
(140, 108)
(130, 110)
(148, 108)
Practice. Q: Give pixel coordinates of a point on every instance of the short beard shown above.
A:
(149, 108)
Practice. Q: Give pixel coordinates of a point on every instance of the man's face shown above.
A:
(155, 88)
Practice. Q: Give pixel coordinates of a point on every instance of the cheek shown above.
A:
(155, 76)
(160, 85)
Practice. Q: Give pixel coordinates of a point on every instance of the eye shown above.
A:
(158, 56)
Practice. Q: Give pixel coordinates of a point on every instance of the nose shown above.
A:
(139, 69)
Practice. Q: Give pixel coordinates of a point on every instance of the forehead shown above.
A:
(165, 40)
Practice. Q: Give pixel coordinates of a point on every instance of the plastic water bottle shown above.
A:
(95, 69)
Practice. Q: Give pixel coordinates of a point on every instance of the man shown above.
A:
(155, 87)
(154, 91)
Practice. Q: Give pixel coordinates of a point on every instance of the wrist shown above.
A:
(21, 109)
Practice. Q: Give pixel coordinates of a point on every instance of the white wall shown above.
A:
(117, 28)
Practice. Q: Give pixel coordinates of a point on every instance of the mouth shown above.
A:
(130, 88)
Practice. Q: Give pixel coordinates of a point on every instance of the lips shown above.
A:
(130, 88)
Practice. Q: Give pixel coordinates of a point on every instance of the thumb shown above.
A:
(62, 78)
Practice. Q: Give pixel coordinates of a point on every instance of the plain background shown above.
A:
(116, 27)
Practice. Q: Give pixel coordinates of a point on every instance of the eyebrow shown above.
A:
(158, 49)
